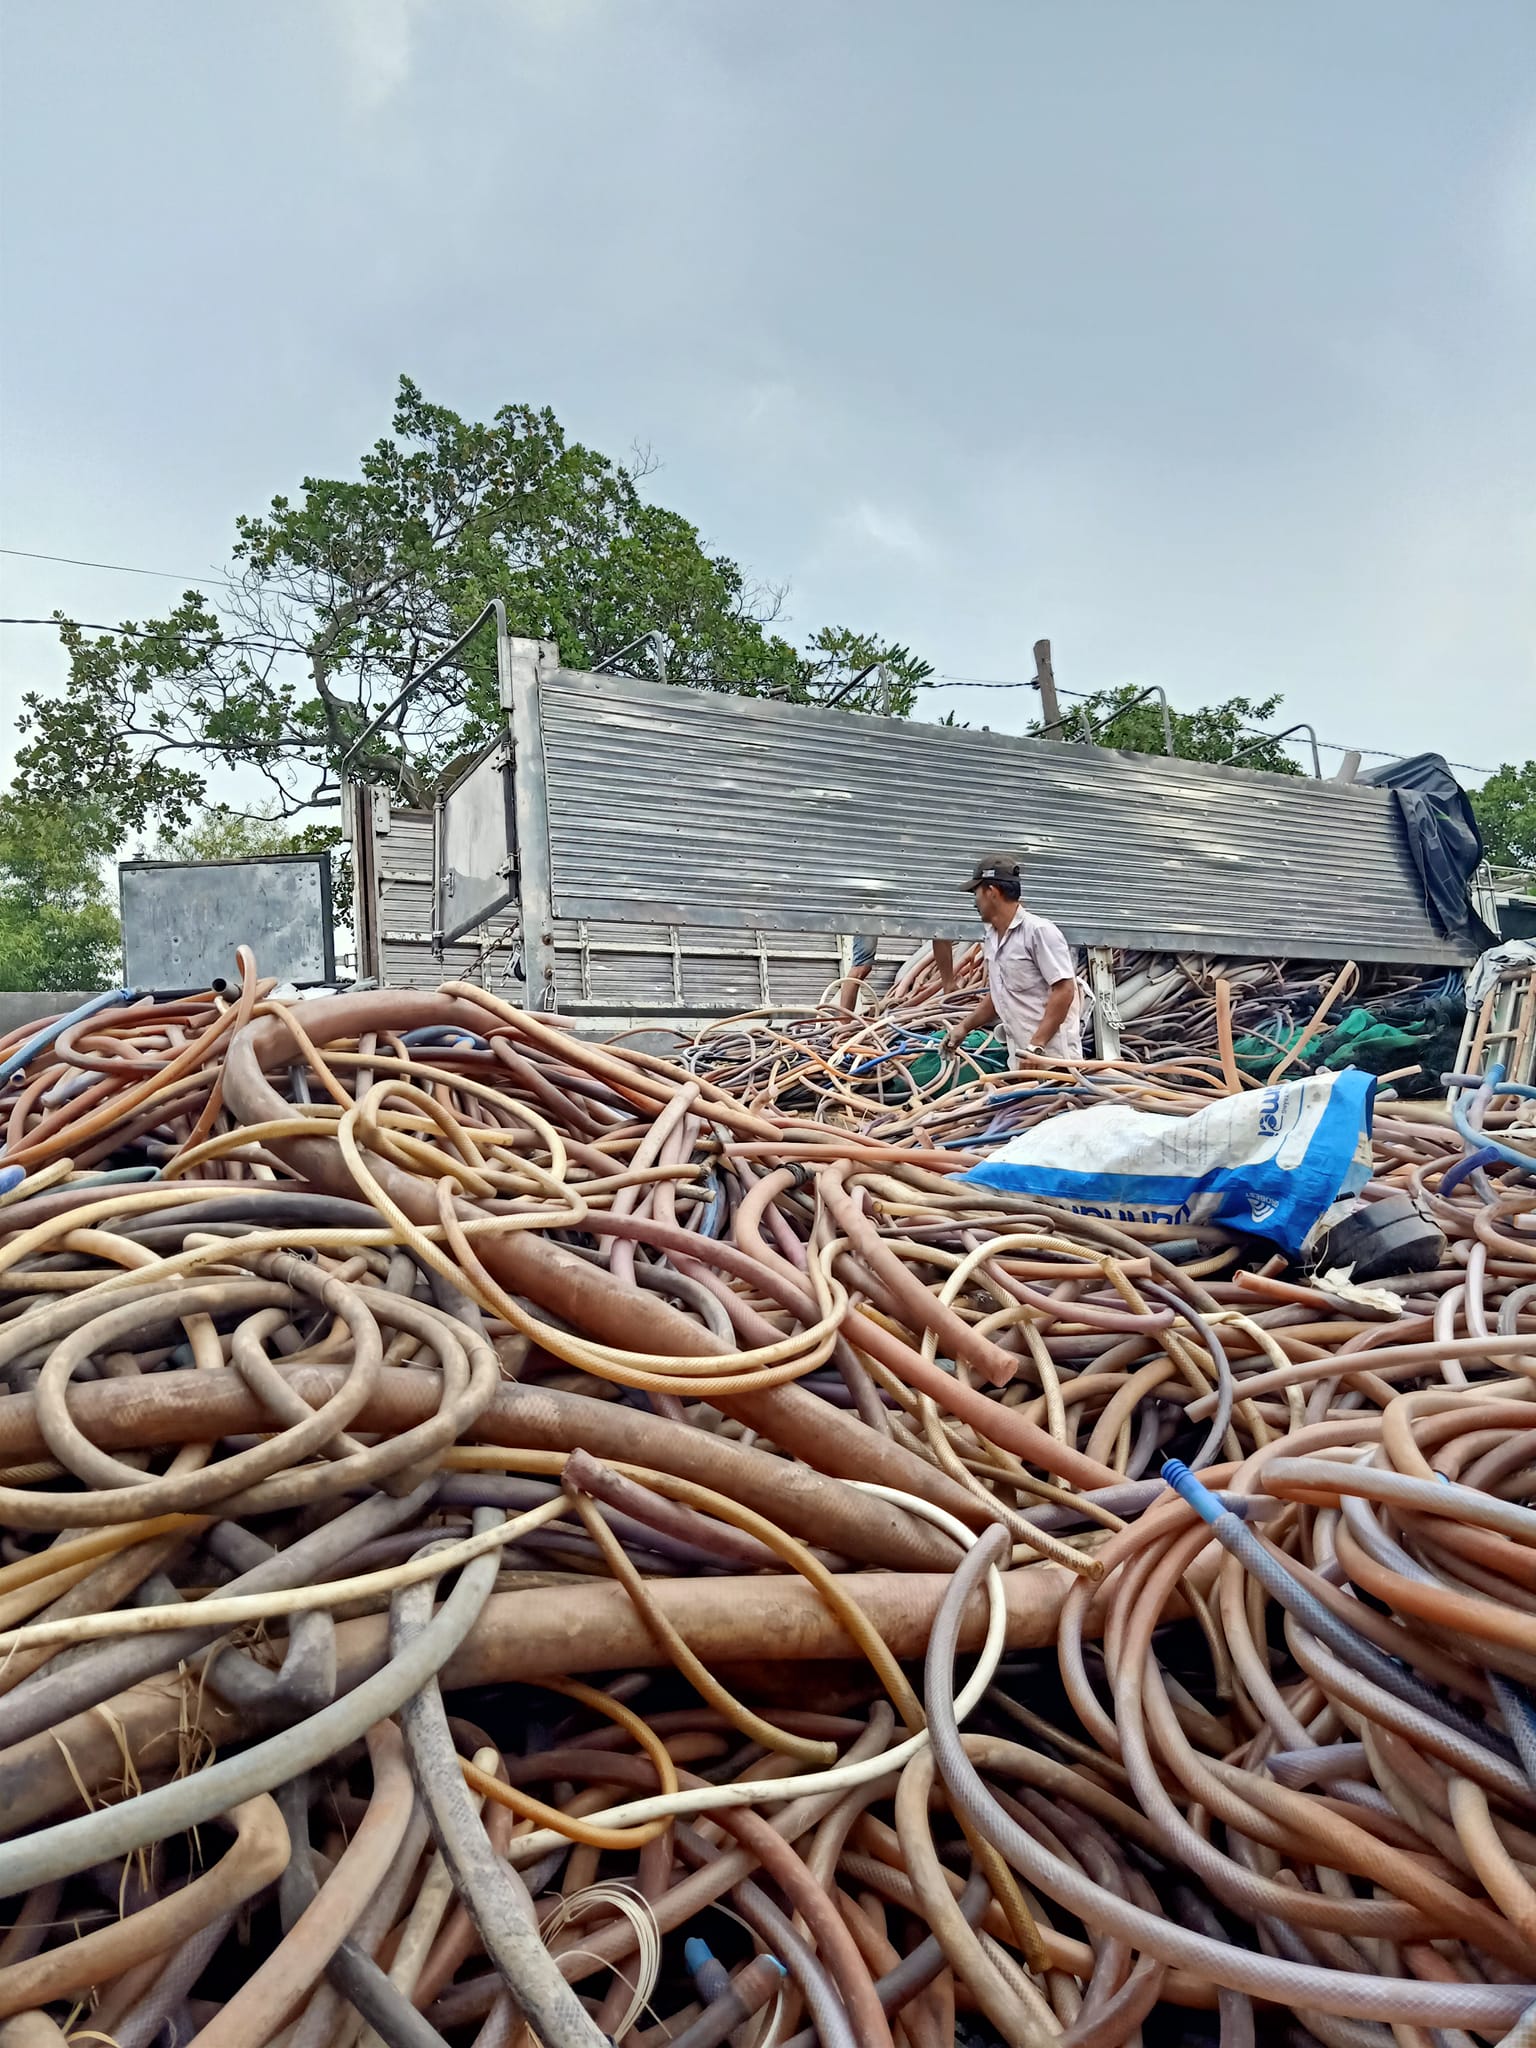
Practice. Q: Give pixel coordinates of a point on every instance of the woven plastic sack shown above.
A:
(1269, 1161)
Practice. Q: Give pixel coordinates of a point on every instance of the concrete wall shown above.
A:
(26, 1006)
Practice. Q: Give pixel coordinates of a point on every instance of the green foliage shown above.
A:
(857, 672)
(57, 926)
(1506, 815)
(123, 719)
(1215, 732)
(223, 834)
(343, 597)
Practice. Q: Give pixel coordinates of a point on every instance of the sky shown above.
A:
(1196, 337)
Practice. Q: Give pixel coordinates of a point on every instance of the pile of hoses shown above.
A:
(1240, 1020)
(491, 1521)
(896, 1078)
(1169, 1008)
(1199, 1024)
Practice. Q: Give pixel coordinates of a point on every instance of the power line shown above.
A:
(93, 626)
(85, 626)
(121, 568)
(961, 682)
(1012, 683)
(1333, 746)
(238, 641)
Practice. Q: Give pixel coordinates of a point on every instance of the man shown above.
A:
(864, 959)
(1031, 982)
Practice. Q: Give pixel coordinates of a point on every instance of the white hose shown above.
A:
(841, 1777)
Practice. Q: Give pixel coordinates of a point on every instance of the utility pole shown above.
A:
(1045, 683)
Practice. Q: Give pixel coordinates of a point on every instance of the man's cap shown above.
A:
(993, 867)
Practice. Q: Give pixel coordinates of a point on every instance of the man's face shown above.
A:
(987, 900)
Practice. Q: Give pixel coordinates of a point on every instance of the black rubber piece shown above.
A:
(1380, 1238)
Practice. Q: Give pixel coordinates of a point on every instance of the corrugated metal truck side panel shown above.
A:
(621, 967)
(683, 806)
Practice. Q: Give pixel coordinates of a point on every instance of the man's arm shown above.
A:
(1058, 1005)
(848, 992)
(984, 1014)
(1053, 957)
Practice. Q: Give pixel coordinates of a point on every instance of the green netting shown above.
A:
(1359, 1040)
(982, 1051)
(1362, 1040)
(1258, 1056)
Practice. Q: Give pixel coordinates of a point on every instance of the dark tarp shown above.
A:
(1442, 838)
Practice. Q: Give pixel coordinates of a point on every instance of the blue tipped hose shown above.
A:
(1472, 1135)
(1265, 1565)
(709, 1974)
(1468, 1164)
(711, 1222)
(727, 2002)
(110, 999)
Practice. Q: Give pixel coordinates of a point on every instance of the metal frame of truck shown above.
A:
(631, 851)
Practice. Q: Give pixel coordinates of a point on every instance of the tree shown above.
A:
(57, 926)
(1506, 815)
(224, 834)
(1214, 732)
(856, 672)
(341, 600)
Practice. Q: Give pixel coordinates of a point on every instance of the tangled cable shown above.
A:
(1188, 1028)
(491, 1521)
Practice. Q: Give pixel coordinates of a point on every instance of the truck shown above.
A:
(628, 852)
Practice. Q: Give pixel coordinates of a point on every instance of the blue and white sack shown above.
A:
(1270, 1161)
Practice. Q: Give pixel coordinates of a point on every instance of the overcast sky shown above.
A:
(1195, 335)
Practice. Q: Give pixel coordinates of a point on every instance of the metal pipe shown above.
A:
(1317, 766)
(496, 610)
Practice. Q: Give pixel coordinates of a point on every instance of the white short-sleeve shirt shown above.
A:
(1022, 962)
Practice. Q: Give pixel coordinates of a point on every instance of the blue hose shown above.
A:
(709, 1974)
(710, 1222)
(906, 1042)
(1476, 1139)
(40, 1041)
(1468, 1164)
(12, 1177)
(1320, 1621)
